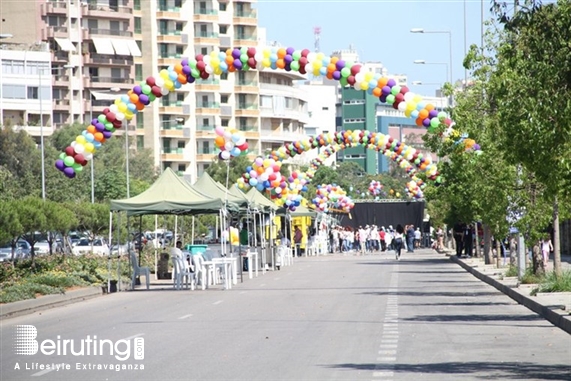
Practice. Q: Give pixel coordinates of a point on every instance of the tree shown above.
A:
(61, 219)
(31, 212)
(218, 169)
(93, 218)
(532, 87)
(10, 227)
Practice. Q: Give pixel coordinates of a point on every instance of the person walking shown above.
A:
(410, 239)
(546, 248)
(297, 237)
(398, 240)
(458, 232)
(417, 238)
(468, 241)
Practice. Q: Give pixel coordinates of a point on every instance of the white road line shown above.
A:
(388, 346)
(389, 341)
(218, 302)
(185, 316)
(383, 374)
(387, 359)
(388, 352)
(132, 337)
(262, 285)
(277, 279)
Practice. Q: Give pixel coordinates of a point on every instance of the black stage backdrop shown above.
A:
(384, 214)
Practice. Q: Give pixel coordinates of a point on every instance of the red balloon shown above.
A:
(111, 117)
(199, 57)
(399, 98)
(351, 80)
(355, 69)
(302, 70)
(272, 177)
(305, 52)
(251, 52)
(404, 90)
(69, 151)
(204, 75)
(79, 158)
(302, 61)
(106, 111)
(117, 123)
(252, 62)
(156, 91)
(200, 66)
(151, 81)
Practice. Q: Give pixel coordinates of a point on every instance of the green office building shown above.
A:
(358, 112)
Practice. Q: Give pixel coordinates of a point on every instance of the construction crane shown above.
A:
(316, 38)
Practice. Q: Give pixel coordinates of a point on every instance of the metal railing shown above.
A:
(111, 32)
(204, 11)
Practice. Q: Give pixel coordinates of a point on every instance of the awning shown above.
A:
(101, 96)
(103, 46)
(65, 44)
(121, 47)
(134, 48)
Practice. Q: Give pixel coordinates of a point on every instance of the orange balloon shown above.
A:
(334, 60)
(377, 92)
(134, 98)
(423, 114)
(419, 121)
(260, 170)
(219, 141)
(281, 53)
(140, 106)
(178, 68)
(91, 129)
(229, 59)
(329, 75)
(382, 82)
(229, 52)
(429, 107)
(275, 183)
(231, 68)
(280, 63)
(182, 79)
(331, 68)
(98, 136)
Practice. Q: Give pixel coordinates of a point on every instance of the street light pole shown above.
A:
(125, 123)
(40, 68)
(421, 30)
(423, 62)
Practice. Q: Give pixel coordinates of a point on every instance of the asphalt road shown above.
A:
(325, 318)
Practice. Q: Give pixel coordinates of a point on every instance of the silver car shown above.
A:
(6, 253)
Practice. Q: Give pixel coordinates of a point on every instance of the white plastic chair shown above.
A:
(138, 271)
(202, 272)
(182, 272)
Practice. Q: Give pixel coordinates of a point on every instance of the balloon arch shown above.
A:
(349, 74)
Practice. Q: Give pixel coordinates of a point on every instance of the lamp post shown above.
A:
(423, 62)
(111, 90)
(421, 30)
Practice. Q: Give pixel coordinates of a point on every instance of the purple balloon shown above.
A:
(144, 99)
(336, 75)
(288, 58)
(476, 147)
(99, 127)
(184, 62)
(236, 53)
(383, 98)
(60, 165)
(137, 90)
(426, 122)
(386, 90)
(94, 121)
(107, 134)
(69, 172)
(290, 50)
(340, 65)
(433, 114)
(237, 64)
(391, 82)
(186, 70)
(190, 78)
(287, 67)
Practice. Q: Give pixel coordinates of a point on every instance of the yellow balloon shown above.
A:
(266, 62)
(164, 74)
(80, 139)
(89, 147)
(218, 71)
(169, 85)
(364, 85)
(122, 107)
(267, 53)
(368, 76)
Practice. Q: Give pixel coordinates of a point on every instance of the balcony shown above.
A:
(204, 131)
(168, 14)
(206, 154)
(171, 109)
(108, 32)
(61, 105)
(170, 37)
(167, 61)
(250, 87)
(54, 31)
(205, 15)
(107, 60)
(246, 18)
(249, 131)
(106, 82)
(208, 108)
(53, 8)
(60, 80)
(107, 11)
(60, 56)
(210, 84)
(245, 109)
(245, 41)
(172, 154)
(207, 38)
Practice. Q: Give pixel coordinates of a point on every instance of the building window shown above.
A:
(205, 147)
(325, 108)
(181, 144)
(225, 122)
(138, 72)
(223, 29)
(163, 27)
(222, 6)
(14, 91)
(205, 122)
(181, 167)
(140, 122)
(140, 45)
(224, 99)
(266, 101)
(137, 25)
(224, 76)
(204, 51)
(288, 102)
(140, 142)
(137, 5)
(164, 50)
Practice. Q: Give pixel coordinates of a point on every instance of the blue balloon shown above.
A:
(260, 187)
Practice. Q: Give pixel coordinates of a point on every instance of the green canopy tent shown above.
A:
(207, 186)
(300, 211)
(262, 203)
(169, 195)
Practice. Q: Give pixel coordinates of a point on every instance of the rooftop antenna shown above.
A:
(317, 37)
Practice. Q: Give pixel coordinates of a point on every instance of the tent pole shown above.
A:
(192, 232)
(109, 258)
(119, 285)
(175, 229)
(155, 245)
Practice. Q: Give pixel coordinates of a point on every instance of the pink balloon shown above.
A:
(219, 131)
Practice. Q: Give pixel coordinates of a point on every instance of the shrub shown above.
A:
(553, 283)
(57, 279)
(26, 290)
(530, 278)
(512, 271)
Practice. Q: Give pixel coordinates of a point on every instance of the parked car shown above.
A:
(42, 248)
(25, 249)
(6, 252)
(85, 246)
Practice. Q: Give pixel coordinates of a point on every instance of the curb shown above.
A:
(554, 317)
(24, 307)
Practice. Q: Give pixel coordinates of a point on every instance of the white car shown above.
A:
(42, 248)
(85, 246)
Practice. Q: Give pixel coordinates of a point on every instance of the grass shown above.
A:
(512, 271)
(553, 283)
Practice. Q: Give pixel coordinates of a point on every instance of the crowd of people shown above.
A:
(371, 238)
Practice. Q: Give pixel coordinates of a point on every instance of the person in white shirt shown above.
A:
(417, 237)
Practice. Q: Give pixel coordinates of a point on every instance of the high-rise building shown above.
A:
(100, 48)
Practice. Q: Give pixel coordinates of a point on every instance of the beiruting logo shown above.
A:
(25, 343)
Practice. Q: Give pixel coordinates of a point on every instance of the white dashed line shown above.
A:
(185, 316)
(383, 374)
(218, 302)
(42, 372)
(387, 359)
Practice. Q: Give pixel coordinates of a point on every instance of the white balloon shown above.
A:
(206, 59)
(359, 77)
(409, 96)
(120, 116)
(259, 56)
(227, 135)
(79, 148)
(165, 91)
(402, 106)
(311, 56)
(229, 145)
(208, 69)
(88, 156)
(159, 81)
(225, 155)
(114, 109)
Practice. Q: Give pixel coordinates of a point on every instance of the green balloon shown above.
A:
(146, 89)
(152, 97)
(343, 81)
(195, 73)
(434, 122)
(431, 129)
(102, 118)
(296, 55)
(390, 99)
(62, 156)
(192, 63)
(345, 72)
(68, 161)
(395, 90)
(294, 66)
(244, 57)
(108, 125)
(77, 167)
(243, 50)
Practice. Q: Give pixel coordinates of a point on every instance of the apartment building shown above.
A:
(101, 48)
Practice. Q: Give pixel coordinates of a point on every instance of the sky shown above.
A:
(380, 31)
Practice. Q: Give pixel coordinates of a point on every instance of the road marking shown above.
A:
(242, 292)
(218, 302)
(42, 372)
(132, 337)
(277, 279)
(388, 346)
(388, 352)
(387, 359)
(185, 316)
(389, 341)
(262, 285)
(383, 374)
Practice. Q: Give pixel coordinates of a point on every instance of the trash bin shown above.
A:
(112, 286)
(196, 249)
(163, 266)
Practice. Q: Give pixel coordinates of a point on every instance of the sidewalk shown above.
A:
(554, 307)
